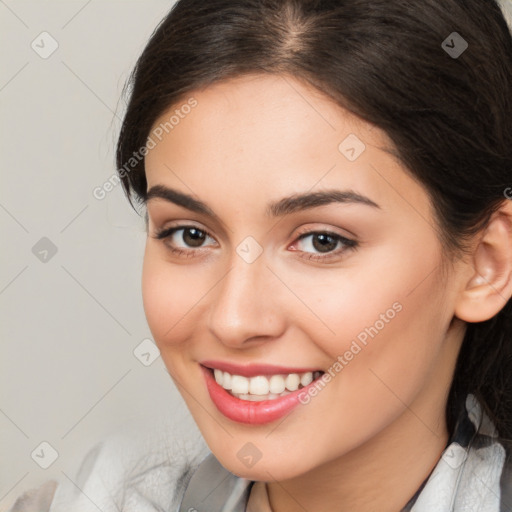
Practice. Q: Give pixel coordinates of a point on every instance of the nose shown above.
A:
(245, 306)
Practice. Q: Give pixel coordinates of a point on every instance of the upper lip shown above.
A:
(252, 370)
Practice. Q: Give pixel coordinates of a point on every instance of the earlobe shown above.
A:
(489, 287)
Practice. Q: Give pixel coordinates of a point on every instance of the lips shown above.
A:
(251, 412)
(254, 370)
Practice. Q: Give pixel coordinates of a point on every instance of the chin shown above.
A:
(265, 469)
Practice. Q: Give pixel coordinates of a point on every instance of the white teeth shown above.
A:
(292, 382)
(307, 378)
(277, 384)
(219, 376)
(262, 387)
(260, 398)
(226, 384)
(239, 384)
(259, 385)
(255, 398)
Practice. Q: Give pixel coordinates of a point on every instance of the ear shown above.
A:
(489, 286)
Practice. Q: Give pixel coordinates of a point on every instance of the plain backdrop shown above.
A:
(72, 320)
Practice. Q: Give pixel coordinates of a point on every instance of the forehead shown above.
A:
(266, 136)
(263, 109)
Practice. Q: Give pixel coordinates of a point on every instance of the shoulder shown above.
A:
(124, 472)
(474, 471)
(486, 474)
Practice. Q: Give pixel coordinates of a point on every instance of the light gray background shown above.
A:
(69, 325)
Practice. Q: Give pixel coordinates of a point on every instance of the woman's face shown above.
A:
(300, 244)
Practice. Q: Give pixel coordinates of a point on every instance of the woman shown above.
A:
(328, 268)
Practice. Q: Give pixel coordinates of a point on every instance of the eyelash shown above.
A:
(348, 244)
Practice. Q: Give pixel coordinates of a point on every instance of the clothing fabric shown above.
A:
(474, 474)
(258, 499)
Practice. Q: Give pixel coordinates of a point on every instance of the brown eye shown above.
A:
(193, 237)
(324, 243)
(321, 242)
(184, 238)
(319, 245)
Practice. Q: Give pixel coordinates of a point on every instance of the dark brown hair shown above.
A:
(449, 116)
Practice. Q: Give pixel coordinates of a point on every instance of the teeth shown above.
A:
(292, 382)
(260, 398)
(307, 378)
(260, 388)
(226, 382)
(219, 376)
(277, 384)
(259, 385)
(239, 384)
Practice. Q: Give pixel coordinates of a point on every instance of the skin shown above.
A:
(368, 440)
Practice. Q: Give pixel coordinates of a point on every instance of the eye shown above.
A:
(322, 244)
(184, 239)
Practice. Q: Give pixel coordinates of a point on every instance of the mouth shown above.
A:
(259, 397)
(263, 387)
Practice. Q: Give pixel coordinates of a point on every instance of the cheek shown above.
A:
(169, 294)
(388, 315)
(389, 326)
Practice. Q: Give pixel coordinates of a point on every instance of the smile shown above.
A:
(261, 396)
(263, 387)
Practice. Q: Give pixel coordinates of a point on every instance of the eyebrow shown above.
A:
(308, 200)
(179, 198)
(285, 206)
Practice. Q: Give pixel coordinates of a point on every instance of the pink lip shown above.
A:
(252, 413)
(253, 370)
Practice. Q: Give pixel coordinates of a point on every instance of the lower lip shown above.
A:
(252, 413)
